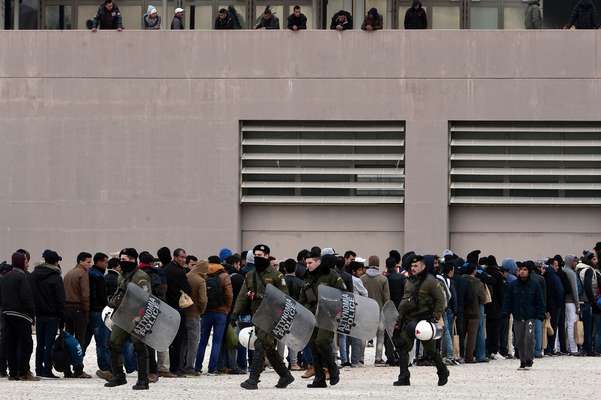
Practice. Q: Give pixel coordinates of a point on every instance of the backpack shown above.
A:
(215, 296)
(61, 359)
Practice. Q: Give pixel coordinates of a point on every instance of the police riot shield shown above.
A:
(389, 317)
(147, 318)
(284, 318)
(347, 314)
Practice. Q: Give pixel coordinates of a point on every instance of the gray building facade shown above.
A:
(138, 139)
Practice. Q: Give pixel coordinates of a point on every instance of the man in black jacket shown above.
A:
(18, 309)
(396, 284)
(49, 297)
(297, 20)
(98, 300)
(493, 309)
(224, 20)
(341, 21)
(176, 283)
(107, 17)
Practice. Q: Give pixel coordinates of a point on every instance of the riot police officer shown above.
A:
(130, 273)
(249, 299)
(423, 300)
(320, 271)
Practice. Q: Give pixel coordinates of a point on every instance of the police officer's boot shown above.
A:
(319, 381)
(142, 358)
(286, 377)
(334, 370)
(118, 378)
(256, 367)
(441, 370)
(404, 374)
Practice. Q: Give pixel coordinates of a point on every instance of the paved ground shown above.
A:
(551, 378)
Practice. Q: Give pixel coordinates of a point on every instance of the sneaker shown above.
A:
(496, 356)
(106, 375)
(167, 374)
(153, 378)
(191, 372)
(213, 373)
(380, 363)
(48, 375)
(82, 375)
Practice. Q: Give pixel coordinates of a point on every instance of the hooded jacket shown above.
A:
(106, 19)
(271, 23)
(396, 286)
(98, 297)
(572, 289)
(555, 290)
(176, 282)
(347, 25)
(226, 287)
(376, 285)
(476, 294)
(300, 22)
(152, 23)
(534, 17)
(495, 307)
(196, 278)
(584, 16)
(415, 17)
(48, 291)
(374, 19)
(510, 266)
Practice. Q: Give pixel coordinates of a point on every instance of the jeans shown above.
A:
(19, 345)
(101, 334)
(597, 332)
(307, 355)
(571, 318)
(447, 339)
(192, 340)
(45, 333)
(538, 338)
(357, 350)
(587, 320)
(343, 348)
(481, 340)
(215, 321)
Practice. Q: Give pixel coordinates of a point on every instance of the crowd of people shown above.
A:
(484, 310)
(584, 16)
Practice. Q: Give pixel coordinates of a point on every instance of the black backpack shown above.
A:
(60, 354)
(215, 297)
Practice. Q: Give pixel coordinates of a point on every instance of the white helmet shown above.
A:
(247, 337)
(426, 330)
(107, 314)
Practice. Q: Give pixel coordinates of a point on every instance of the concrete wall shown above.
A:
(131, 139)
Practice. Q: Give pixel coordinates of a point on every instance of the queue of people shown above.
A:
(485, 311)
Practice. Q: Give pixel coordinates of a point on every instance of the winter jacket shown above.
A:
(396, 286)
(416, 18)
(475, 288)
(237, 281)
(555, 291)
(48, 291)
(463, 292)
(226, 288)
(589, 278)
(177, 23)
(377, 286)
(106, 19)
(225, 23)
(300, 22)
(497, 291)
(196, 279)
(524, 300)
(358, 287)
(16, 296)
(158, 282)
(111, 280)
(271, 23)
(543, 286)
(423, 298)
(376, 22)
(347, 25)
(77, 289)
(584, 16)
(534, 16)
(295, 285)
(176, 282)
(98, 298)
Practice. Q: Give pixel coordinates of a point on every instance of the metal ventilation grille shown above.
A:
(525, 163)
(322, 162)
